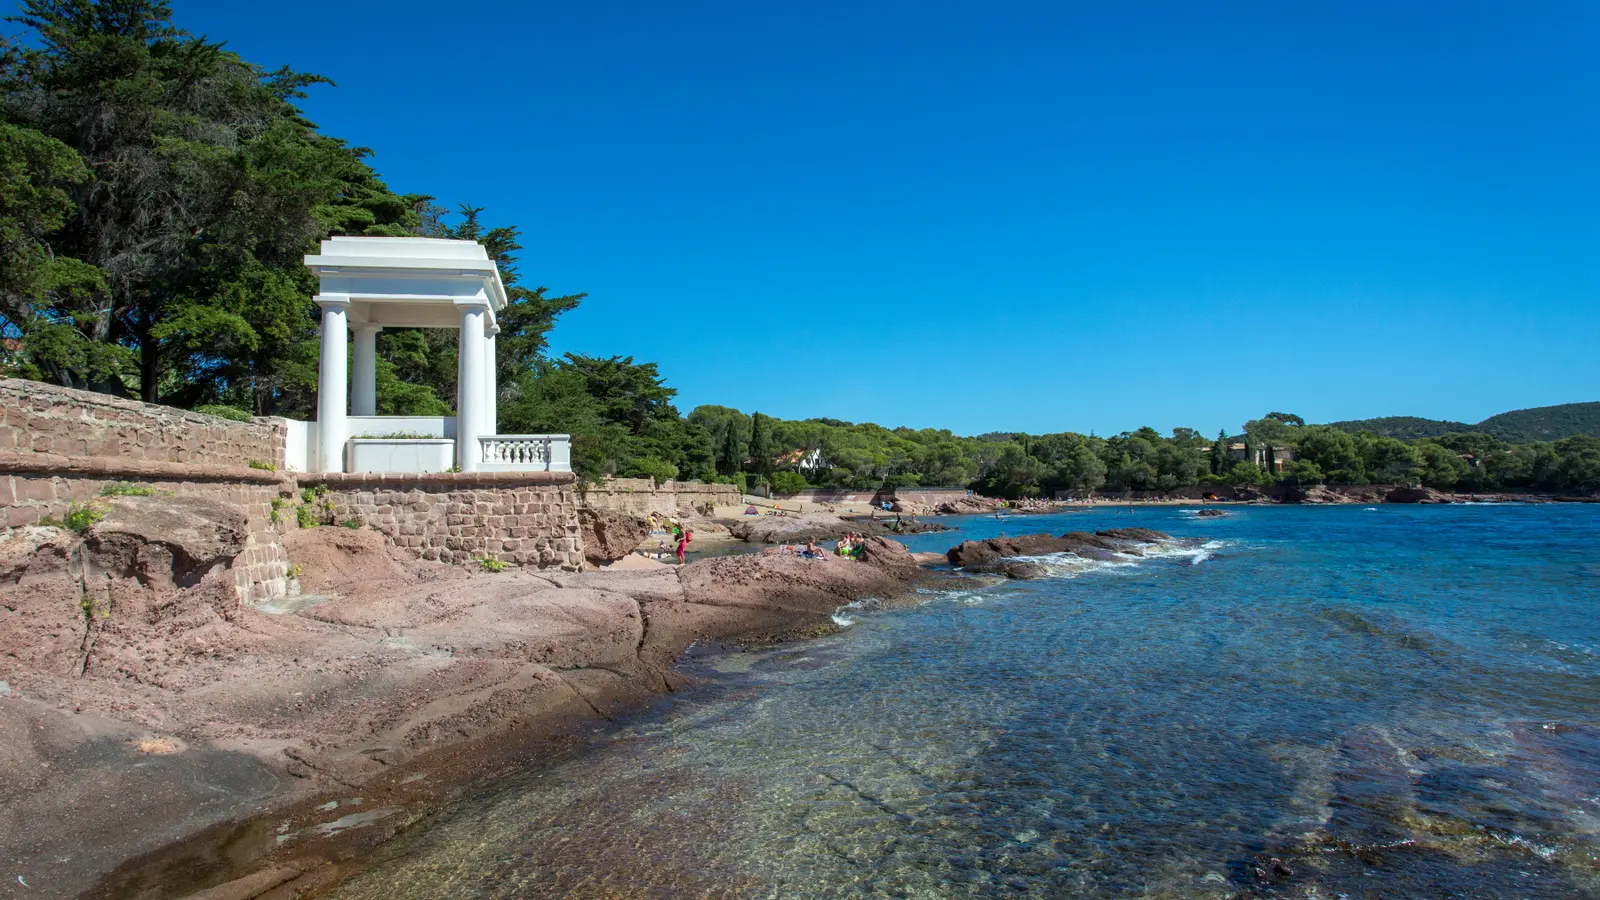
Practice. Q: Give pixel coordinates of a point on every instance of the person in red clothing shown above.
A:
(684, 537)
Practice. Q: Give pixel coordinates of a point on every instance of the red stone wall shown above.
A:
(519, 518)
(642, 496)
(44, 418)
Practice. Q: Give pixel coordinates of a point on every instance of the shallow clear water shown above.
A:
(1396, 702)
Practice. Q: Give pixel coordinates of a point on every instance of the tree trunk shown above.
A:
(149, 357)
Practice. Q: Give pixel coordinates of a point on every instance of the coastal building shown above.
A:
(803, 461)
(371, 283)
(1281, 456)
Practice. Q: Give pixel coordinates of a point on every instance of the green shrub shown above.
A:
(124, 489)
(491, 564)
(400, 436)
(221, 411)
(653, 468)
(278, 503)
(305, 516)
(294, 571)
(78, 518)
(263, 465)
(788, 482)
(351, 524)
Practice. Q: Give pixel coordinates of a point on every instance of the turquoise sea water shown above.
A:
(1394, 702)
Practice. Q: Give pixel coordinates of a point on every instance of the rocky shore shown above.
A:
(999, 556)
(141, 702)
(819, 527)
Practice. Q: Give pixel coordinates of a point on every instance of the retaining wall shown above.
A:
(59, 446)
(45, 418)
(46, 486)
(521, 518)
(642, 496)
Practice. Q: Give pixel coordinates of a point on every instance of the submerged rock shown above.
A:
(1011, 568)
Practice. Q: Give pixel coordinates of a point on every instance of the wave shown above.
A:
(841, 616)
(1069, 565)
(1188, 553)
(965, 596)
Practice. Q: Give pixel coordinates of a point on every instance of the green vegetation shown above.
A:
(400, 435)
(315, 507)
(125, 489)
(833, 454)
(263, 465)
(79, 517)
(352, 524)
(491, 564)
(788, 482)
(158, 193)
(221, 411)
(294, 570)
(1544, 423)
(276, 515)
(1522, 426)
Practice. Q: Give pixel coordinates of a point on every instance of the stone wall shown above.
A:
(260, 572)
(927, 497)
(45, 418)
(642, 496)
(60, 446)
(520, 518)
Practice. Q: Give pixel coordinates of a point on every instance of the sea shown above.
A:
(1309, 702)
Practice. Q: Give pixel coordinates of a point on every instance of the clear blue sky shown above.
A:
(996, 216)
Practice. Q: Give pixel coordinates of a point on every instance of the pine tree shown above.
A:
(1219, 454)
(732, 455)
(760, 445)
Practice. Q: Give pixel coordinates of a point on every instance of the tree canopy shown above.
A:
(158, 194)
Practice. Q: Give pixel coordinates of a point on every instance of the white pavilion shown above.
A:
(370, 283)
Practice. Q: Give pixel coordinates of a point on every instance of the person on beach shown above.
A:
(684, 537)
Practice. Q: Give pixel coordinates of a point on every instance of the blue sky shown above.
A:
(1036, 216)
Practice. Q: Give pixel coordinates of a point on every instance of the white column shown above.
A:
(332, 429)
(470, 412)
(491, 371)
(364, 372)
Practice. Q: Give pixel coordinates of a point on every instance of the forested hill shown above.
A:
(1542, 423)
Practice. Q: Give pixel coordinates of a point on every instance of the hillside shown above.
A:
(1542, 423)
(1403, 427)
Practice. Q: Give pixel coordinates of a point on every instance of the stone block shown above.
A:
(35, 489)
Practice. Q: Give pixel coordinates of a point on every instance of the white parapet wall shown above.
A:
(381, 426)
(400, 455)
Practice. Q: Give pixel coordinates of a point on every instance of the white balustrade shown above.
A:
(526, 453)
